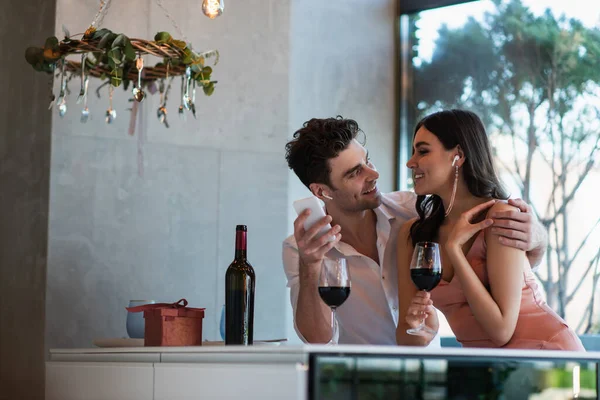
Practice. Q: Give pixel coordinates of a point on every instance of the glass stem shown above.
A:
(333, 327)
(423, 320)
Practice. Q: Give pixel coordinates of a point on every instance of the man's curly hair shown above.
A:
(318, 141)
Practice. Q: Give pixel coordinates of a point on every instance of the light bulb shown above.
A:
(212, 8)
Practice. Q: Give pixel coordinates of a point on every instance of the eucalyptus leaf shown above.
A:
(119, 40)
(34, 55)
(179, 43)
(51, 42)
(187, 56)
(116, 55)
(209, 89)
(91, 60)
(107, 40)
(129, 50)
(162, 37)
(100, 33)
(104, 58)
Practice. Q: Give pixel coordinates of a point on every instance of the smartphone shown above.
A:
(316, 213)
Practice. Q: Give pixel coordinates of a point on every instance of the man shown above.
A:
(330, 161)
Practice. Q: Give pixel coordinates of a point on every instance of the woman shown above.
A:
(488, 292)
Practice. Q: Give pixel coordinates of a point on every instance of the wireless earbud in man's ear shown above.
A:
(327, 197)
(456, 158)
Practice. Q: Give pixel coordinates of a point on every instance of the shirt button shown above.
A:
(383, 277)
(395, 308)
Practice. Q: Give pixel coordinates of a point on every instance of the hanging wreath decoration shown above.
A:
(119, 61)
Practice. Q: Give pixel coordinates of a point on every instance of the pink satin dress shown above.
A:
(538, 326)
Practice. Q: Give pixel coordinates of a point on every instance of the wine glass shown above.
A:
(334, 288)
(426, 273)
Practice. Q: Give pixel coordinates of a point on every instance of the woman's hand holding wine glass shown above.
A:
(426, 273)
(419, 309)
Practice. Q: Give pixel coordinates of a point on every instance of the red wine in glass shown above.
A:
(334, 288)
(425, 279)
(426, 273)
(334, 296)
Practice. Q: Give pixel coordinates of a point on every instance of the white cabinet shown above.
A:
(99, 381)
(185, 373)
(229, 381)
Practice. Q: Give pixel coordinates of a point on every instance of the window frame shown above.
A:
(404, 81)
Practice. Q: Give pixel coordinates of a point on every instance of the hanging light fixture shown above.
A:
(212, 8)
(118, 59)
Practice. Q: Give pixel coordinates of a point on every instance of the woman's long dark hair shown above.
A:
(465, 129)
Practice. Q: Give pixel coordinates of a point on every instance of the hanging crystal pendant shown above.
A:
(62, 101)
(111, 114)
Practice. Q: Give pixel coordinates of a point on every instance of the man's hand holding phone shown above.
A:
(314, 236)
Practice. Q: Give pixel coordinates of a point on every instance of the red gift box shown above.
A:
(171, 324)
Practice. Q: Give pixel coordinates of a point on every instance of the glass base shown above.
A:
(421, 330)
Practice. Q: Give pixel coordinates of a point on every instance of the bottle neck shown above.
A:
(240, 244)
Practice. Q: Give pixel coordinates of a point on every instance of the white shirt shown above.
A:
(370, 314)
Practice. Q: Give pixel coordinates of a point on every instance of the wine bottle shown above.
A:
(239, 294)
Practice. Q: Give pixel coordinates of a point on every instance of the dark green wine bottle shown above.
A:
(239, 294)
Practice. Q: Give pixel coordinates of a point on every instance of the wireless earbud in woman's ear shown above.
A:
(327, 197)
(456, 158)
